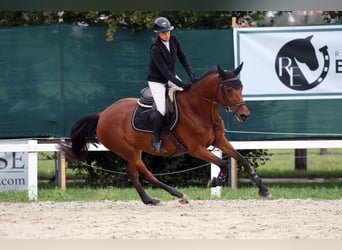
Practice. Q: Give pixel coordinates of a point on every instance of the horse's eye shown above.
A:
(228, 90)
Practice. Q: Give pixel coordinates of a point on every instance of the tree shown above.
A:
(134, 20)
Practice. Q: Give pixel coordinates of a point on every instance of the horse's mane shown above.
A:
(227, 74)
(209, 72)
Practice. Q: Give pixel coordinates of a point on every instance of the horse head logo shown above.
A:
(300, 51)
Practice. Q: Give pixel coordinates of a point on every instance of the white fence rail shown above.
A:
(285, 144)
(33, 147)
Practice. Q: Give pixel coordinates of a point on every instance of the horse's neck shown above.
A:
(203, 97)
(207, 87)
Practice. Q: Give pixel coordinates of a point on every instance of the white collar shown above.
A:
(167, 44)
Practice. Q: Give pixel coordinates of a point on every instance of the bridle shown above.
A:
(224, 96)
(228, 108)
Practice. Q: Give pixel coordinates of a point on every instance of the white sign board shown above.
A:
(18, 170)
(13, 170)
(290, 62)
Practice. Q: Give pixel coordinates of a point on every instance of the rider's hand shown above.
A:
(193, 78)
(186, 86)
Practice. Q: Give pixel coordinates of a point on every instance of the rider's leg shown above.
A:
(158, 92)
(158, 123)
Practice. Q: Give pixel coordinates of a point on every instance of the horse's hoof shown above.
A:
(212, 183)
(155, 202)
(152, 202)
(265, 195)
(183, 200)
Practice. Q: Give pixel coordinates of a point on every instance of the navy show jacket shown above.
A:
(162, 61)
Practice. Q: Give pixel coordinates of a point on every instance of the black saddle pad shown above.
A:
(141, 118)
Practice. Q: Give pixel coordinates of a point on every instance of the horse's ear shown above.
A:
(238, 69)
(309, 38)
(220, 70)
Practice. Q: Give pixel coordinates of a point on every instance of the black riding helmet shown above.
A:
(162, 24)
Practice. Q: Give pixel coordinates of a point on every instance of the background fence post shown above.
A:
(61, 168)
(32, 178)
(301, 159)
(233, 174)
(215, 170)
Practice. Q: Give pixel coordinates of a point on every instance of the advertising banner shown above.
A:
(286, 63)
(13, 168)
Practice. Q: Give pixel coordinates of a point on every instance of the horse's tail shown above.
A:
(82, 133)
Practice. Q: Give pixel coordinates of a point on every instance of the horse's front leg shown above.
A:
(204, 154)
(228, 149)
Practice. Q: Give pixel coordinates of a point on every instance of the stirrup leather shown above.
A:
(158, 146)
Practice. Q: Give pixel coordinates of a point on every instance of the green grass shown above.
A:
(329, 190)
(46, 167)
(282, 164)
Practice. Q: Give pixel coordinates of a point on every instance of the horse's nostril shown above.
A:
(243, 117)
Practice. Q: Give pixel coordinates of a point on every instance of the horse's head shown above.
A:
(231, 98)
(307, 53)
(302, 50)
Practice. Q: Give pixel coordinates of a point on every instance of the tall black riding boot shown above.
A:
(158, 123)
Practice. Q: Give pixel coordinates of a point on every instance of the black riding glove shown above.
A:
(193, 78)
(186, 86)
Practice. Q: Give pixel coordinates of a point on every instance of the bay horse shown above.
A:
(199, 126)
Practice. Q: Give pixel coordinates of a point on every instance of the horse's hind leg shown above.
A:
(133, 175)
(154, 181)
(136, 168)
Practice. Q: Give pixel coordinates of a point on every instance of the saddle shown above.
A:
(145, 106)
(141, 120)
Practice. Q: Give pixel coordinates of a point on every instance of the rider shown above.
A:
(163, 55)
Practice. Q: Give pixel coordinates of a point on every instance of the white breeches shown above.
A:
(158, 91)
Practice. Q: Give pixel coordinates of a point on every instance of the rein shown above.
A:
(213, 103)
(203, 97)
